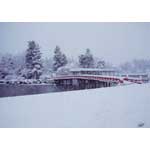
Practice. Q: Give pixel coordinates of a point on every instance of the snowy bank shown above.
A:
(121, 106)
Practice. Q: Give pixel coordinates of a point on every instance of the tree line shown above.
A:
(31, 65)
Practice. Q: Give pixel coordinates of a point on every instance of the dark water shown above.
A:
(7, 90)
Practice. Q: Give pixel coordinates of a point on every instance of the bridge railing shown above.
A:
(91, 77)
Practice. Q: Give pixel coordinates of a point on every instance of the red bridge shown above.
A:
(86, 81)
(85, 78)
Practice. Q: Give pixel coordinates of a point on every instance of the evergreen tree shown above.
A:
(86, 60)
(33, 61)
(59, 59)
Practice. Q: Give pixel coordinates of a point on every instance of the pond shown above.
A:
(7, 90)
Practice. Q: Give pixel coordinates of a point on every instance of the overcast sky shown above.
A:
(115, 42)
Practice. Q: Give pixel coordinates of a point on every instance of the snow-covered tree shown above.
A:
(59, 59)
(19, 61)
(11, 66)
(33, 61)
(141, 65)
(7, 67)
(101, 64)
(86, 60)
(4, 71)
(136, 66)
(47, 67)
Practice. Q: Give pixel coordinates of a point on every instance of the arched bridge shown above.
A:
(72, 82)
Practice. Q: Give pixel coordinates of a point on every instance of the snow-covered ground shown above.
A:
(121, 106)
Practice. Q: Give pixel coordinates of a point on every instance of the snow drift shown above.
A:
(121, 106)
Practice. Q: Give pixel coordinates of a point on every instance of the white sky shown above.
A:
(115, 42)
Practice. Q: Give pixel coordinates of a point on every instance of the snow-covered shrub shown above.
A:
(63, 71)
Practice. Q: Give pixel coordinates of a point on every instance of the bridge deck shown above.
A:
(91, 77)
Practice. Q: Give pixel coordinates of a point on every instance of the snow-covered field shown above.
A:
(122, 106)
